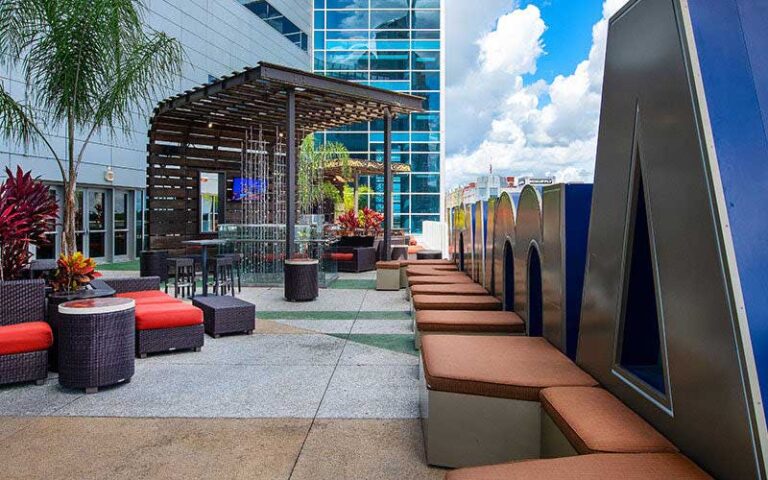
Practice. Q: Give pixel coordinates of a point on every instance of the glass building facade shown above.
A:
(397, 45)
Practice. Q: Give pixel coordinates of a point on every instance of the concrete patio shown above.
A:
(327, 389)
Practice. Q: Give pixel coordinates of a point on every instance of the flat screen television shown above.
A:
(243, 188)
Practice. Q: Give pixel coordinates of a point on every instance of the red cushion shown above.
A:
(155, 316)
(149, 297)
(343, 257)
(25, 337)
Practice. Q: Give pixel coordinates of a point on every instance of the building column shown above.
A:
(388, 211)
(290, 151)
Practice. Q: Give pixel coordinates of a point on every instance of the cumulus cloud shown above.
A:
(532, 128)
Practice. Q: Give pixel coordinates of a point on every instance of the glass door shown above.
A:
(121, 225)
(97, 224)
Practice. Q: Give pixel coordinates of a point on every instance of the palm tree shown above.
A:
(89, 65)
(309, 179)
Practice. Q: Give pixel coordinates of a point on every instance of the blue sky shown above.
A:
(524, 84)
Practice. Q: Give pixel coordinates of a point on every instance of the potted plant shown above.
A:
(74, 272)
(26, 213)
(370, 221)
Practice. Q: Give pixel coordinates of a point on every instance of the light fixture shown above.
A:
(109, 175)
(210, 124)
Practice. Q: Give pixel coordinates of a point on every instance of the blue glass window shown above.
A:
(352, 60)
(426, 35)
(389, 60)
(427, 3)
(425, 183)
(390, 19)
(426, 60)
(425, 122)
(426, 20)
(347, 4)
(355, 142)
(425, 147)
(425, 163)
(399, 124)
(390, 3)
(391, 35)
(278, 21)
(402, 222)
(417, 225)
(426, 44)
(342, 19)
(426, 203)
(431, 100)
(319, 40)
(360, 44)
(426, 81)
(391, 76)
(347, 35)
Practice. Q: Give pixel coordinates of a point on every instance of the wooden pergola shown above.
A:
(205, 128)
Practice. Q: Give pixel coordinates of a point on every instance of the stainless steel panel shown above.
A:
(478, 244)
(649, 108)
(503, 238)
(527, 237)
(489, 239)
(553, 264)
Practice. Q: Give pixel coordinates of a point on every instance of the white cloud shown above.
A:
(524, 135)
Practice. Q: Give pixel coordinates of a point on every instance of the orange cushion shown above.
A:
(415, 249)
(343, 257)
(389, 265)
(456, 302)
(594, 421)
(25, 338)
(149, 297)
(469, 321)
(167, 315)
(502, 367)
(470, 289)
(431, 270)
(647, 466)
(428, 262)
(440, 279)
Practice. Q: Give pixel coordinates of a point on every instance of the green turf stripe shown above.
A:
(383, 316)
(119, 267)
(353, 285)
(324, 315)
(393, 342)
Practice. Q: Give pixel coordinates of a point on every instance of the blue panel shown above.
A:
(578, 206)
(732, 42)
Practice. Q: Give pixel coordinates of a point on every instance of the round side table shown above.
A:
(97, 342)
(429, 255)
(301, 280)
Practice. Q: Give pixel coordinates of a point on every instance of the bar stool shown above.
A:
(223, 275)
(183, 272)
(237, 259)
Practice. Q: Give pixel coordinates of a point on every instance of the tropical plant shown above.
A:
(312, 160)
(74, 271)
(350, 221)
(26, 213)
(370, 221)
(89, 65)
(362, 200)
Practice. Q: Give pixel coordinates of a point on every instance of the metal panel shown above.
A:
(659, 122)
(489, 241)
(527, 238)
(565, 224)
(478, 242)
(503, 238)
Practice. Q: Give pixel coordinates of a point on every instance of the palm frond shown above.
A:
(16, 123)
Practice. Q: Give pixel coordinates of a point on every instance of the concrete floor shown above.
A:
(323, 390)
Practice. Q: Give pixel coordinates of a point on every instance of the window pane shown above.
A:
(390, 19)
(427, 3)
(355, 142)
(347, 19)
(429, 20)
(79, 213)
(347, 4)
(47, 251)
(121, 243)
(209, 202)
(390, 3)
(389, 61)
(121, 210)
(418, 222)
(425, 203)
(425, 163)
(425, 183)
(96, 220)
(425, 122)
(426, 81)
(96, 244)
(353, 60)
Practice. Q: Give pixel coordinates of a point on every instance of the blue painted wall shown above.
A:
(578, 207)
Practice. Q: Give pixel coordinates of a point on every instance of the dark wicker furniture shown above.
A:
(183, 272)
(399, 252)
(226, 315)
(152, 263)
(96, 342)
(21, 302)
(301, 283)
(363, 259)
(162, 339)
(429, 255)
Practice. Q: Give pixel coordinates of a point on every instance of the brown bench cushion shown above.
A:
(440, 280)
(469, 322)
(430, 271)
(647, 466)
(453, 289)
(456, 302)
(391, 265)
(428, 262)
(503, 367)
(594, 421)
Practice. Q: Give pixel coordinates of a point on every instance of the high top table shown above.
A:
(204, 256)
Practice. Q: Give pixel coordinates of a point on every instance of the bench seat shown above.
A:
(462, 321)
(427, 262)
(451, 279)
(502, 367)
(594, 421)
(149, 297)
(648, 466)
(471, 289)
(430, 271)
(456, 302)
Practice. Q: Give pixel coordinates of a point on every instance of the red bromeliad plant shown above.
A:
(349, 221)
(26, 213)
(74, 272)
(371, 221)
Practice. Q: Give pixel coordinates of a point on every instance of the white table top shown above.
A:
(93, 306)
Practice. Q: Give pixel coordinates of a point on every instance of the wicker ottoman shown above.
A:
(429, 255)
(226, 315)
(388, 276)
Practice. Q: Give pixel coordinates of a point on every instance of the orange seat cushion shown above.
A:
(456, 302)
(503, 367)
(430, 270)
(594, 421)
(390, 265)
(469, 289)
(25, 338)
(149, 297)
(167, 315)
(647, 466)
(427, 262)
(415, 249)
(343, 257)
(469, 321)
(440, 279)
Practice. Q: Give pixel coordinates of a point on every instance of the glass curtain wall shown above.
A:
(396, 45)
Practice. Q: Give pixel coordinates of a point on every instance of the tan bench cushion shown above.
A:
(428, 262)
(503, 367)
(440, 280)
(391, 265)
(430, 270)
(456, 302)
(647, 466)
(469, 322)
(453, 289)
(594, 421)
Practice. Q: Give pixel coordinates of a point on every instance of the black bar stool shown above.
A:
(237, 259)
(183, 272)
(223, 275)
